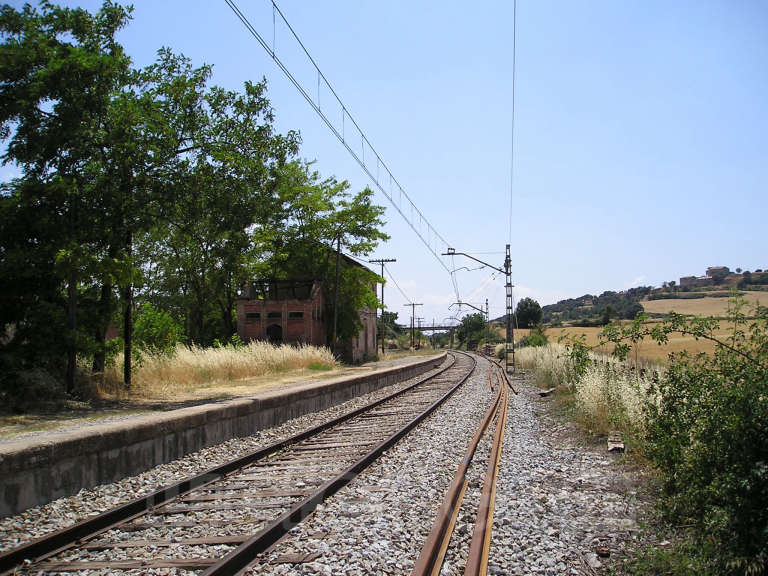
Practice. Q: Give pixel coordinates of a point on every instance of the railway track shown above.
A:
(248, 503)
(433, 553)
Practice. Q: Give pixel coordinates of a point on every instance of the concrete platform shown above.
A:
(36, 470)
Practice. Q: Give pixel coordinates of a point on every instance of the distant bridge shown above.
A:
(430, 328)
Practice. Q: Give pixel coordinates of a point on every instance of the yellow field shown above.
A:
(647, 350)
(701, 306)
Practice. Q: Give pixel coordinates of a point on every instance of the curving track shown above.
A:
(248, 503)
(434, 550)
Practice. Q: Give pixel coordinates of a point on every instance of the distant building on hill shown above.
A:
(718, 273)
(696, 281)
(714, 275)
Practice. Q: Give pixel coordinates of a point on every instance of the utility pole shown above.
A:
(382, 261)
(413, 315)
(509, 345)
(336, 295)
(487, 330)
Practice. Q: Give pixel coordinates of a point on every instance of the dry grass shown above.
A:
(193, 372)
(606, 397)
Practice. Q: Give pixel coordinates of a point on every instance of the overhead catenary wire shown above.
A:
(431, 234)
(482, 285)
(397, 285)
(512, 151)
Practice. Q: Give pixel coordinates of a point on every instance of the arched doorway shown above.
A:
(275, 333)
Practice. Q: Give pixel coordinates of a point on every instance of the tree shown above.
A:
(318, 220)
(608, 313)
(528, 313)
(60, 68)
(472, 328)
(209, 241)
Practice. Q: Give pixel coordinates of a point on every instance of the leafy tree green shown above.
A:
(389, 319)
(537, 337)
(528, 313)
(317, 217)
(225, 194)
(156, 330)
(471, 329)
(60, 67)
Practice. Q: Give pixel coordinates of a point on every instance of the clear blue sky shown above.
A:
(641, 135)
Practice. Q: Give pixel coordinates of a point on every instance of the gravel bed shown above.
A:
(40, 520)
(378, 523)
(561, 508)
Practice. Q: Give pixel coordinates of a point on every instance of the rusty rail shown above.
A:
(432, 554)
(244, 554)
(477, 561)
(55, 542)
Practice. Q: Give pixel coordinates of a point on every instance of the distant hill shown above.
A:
(589, 310)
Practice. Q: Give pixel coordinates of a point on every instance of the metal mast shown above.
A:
(510, 343)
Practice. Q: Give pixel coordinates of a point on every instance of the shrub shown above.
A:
(156, 331)
(707, 432)
(33, 390)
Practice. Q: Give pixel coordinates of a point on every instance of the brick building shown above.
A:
(282, 311)
(293, 311)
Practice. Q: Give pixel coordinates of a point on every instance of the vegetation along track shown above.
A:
(248, 503)
(433, 552)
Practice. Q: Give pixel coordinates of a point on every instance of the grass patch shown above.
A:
(317, 366)
(604, 398)
(682, 556)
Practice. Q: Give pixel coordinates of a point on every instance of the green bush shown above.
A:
(707, 432)
(156, 330)
(537, 337)
(33, 390)
(709, 436)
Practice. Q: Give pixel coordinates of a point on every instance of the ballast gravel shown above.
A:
(378, 523)
(562, 507)
(41, 520)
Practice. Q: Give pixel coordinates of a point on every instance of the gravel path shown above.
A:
(561, 508)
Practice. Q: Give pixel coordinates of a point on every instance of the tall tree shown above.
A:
(60, 68)
(318, 217)
(528, 313)
(203, 244)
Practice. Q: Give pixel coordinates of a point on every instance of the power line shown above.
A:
(512, 154)
(425, 231)
(396, 284)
